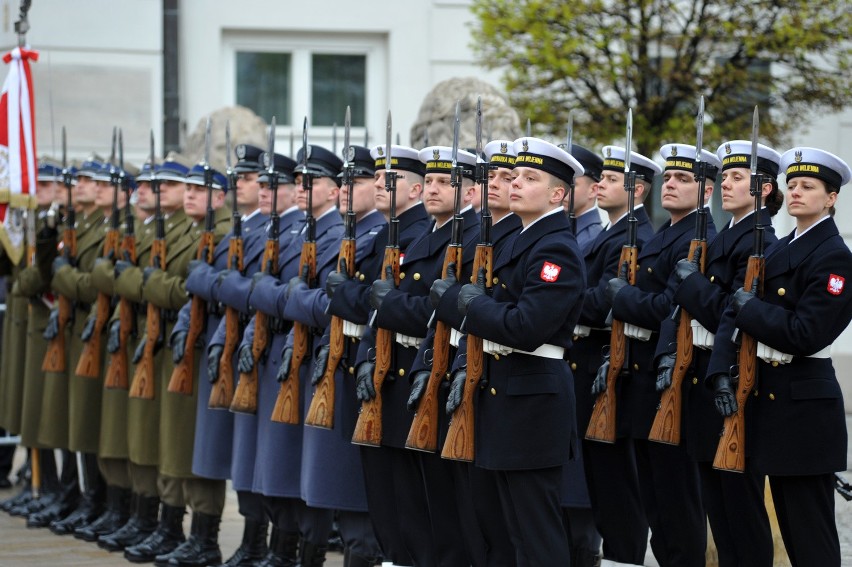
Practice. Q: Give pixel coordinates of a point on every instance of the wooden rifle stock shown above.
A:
(730, 454)
(143, 379)
(116, 373)
(459, 445)
(245, 396)
(54, 358)
(321, 411)
(180, 381)
(286, 408)
(602, 424)
(222, 394)
(89, 363)
(667, 422)
(368, 428)
(423, 435)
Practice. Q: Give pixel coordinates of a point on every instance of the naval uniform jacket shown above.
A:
(646, 304)
(798, 423)
(525, 418)
(588, 228)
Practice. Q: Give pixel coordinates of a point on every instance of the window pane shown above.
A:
(263, 84)
(338, 80)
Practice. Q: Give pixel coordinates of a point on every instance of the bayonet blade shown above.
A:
(627, 155)
(699, 137)
(755, 126)
(120, 152)
(334, 137)
(569, 142)
(114, 142)
(305, 146)
(271, 151)
(347, 124)
(207, 144)
(478, 127)
(456, 127)
(529, 128)
(228, 147)
(388, 144)
(64, 151)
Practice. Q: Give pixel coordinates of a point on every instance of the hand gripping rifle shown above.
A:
(368, 428)
(116, 373)
(321, 412)
(730, 454)
(245, 397)
(459, 444)
(89, 363)
(54, 358)
(667, 422)
(286, 408)
(423, 435)
(180, 381)
(143, 379)
(222, 394)
(602, 422)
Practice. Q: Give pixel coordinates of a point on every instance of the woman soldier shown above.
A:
(797, 431)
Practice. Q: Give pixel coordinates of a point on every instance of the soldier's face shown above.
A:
(324, 190)
(286, 198)
(808, 199)
(680, 193)
(499, 185)
(736, 198)
(144, 196)
(585, 192)
(611, 193)
(472, 196)
(363, 196)
(406, 192)
(195, 201)
(103, 194)
(534, 192)
(83, 192)
(171, 195)
(46, 192)
(247, 190)
(438, 195)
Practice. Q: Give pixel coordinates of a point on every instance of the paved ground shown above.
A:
(22, 546)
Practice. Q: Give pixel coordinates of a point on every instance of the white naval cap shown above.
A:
(737, 153)
(540, 154)
(813, 162)
(613, 160)
(439, 159)
(683, 157)
(402, 157)
(500, 153)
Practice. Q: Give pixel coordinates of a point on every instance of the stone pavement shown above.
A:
(22, 546)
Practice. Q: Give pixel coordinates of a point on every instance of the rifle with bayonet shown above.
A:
(321, 411)
(423, 435)
(143, 379)
(459, 444)
(286, 408)
(54, 358)
(89, 363)
(667, 422)
(730, 454)
(572, 217)
(602, 422)
(116, 373)
(245, 396)
(180, 381)
(222, 394)
(368, 428)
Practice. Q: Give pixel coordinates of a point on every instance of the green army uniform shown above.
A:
(14, 335)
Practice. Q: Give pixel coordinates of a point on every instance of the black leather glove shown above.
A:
(381, 288)
(140, 349)
(741, 297)
(114, 337)
(58, 263)
(147, 273)
(365, 389)
(618, 283)
(178, 344)
(319, 364)
(469, 292)
(52, 329)
(120, 266)
(686, 267)
(440, 287)
(48, 232)
(418, 388)
(284, 369)
(88, 329)
(724, 396)
(665, 369)
(213, 357)
(245, 359)
(454, 399)
(334, 279)
(297, 282)
(599, 384)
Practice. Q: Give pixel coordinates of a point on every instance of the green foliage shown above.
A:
(597, 57)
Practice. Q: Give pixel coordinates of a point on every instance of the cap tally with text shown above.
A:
(813, 162)
(321, 163)
(591, 162)
(403, 158)
(613, 160)
(248, 158)
(540, 154)
(439, 159)
(196, 177)
(281, 165)
(500, 153)
(174, 168)
(361, 160)
(682, 157)
(737, 153)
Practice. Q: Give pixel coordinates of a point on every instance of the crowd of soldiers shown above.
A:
(523, 336)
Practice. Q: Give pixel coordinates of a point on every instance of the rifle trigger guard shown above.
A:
(428, 356)
(371, 354)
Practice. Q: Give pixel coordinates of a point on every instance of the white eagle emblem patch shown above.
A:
(835, 284)
(550, 272)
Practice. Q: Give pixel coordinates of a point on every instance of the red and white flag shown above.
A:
(18, 162)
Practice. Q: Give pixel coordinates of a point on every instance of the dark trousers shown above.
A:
(357, 534)
(385, 512)
(7, 454)
(805, 509)
(250, 505)
(738, 518)
(443, 510)
(613, 482)
(291, 515)
(498, 550)
(671, 496)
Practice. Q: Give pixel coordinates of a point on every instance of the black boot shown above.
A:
(92, 501)
(113, 517)
(202, 547)
(253, 547)
(283, 550)
(59, 507)
(350, 560)
(313, 555)
(20, 499)
(141, 525)
(167, 536)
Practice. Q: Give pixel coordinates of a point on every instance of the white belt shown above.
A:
(544, 351)
(636, 332)
(701, 337)
(770, 355)
(455, 337)
(351, 329)
(408, 342)
(582, 331)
